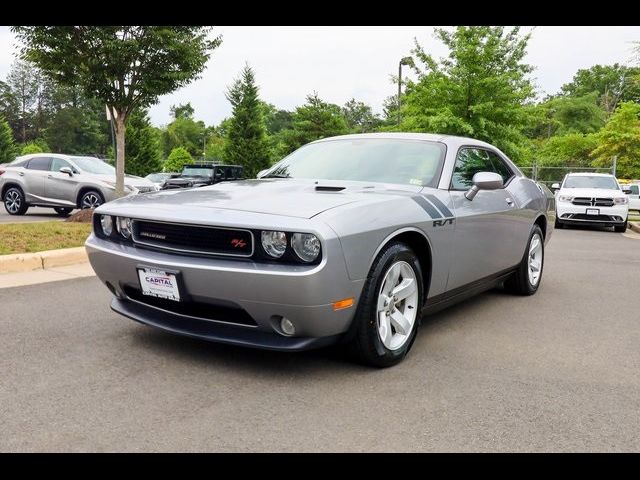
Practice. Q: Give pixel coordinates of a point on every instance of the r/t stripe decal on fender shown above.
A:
(426, 206)
(441, 206)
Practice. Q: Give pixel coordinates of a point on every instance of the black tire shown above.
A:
(366, 344)
(519, 282)
(14, 201)
(85, 199)
(63, 211)
(558, 224)
(620, 228)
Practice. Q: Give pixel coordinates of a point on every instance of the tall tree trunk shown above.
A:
(119, 124)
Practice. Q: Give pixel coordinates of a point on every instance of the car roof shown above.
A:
(55, 155)
(207, 165)
(432, 137)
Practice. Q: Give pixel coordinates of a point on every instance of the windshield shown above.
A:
(585, 181)
(157, 177)
(196, 172)
(411, 162)
(94, 165)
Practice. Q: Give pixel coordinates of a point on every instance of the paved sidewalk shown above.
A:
(55, 274)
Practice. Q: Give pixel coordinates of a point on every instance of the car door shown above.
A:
(482, 240)
(34, 176)
(634, 197)
(61, 186)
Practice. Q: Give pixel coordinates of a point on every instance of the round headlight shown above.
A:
(306, 246)
(107, 224)
(274, 243)
(124, 226)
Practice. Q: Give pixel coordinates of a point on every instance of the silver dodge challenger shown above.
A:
(348, 239)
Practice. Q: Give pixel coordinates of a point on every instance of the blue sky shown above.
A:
(344, 62)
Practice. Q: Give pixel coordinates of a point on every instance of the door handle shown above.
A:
(21, 174)
(510, 202)
(49, 176)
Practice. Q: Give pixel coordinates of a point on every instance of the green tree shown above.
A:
(182, 111)
(7, 145)
(178, 158)
(479, 90)
(246, 139)
(314, 120)
(23, 80)
(35, 146)
(360, 117)
(620, 138)
(184, 132)
(572, 150)
(610, 83)
(125, 67)
(143, 145)
(576, 114)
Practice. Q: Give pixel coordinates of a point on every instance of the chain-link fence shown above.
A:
(550, 175)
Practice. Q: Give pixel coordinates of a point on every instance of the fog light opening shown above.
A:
(284, 325)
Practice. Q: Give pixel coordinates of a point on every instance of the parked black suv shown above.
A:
(201, 174)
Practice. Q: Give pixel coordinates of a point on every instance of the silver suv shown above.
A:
(63, 182)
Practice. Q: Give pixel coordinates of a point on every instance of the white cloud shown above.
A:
(345, 62)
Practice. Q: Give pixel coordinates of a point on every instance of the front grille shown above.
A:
(593, 201)
(206, 311)
(196, 239)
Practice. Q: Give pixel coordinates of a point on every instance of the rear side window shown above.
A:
(39, 163)
(635, 189)
(469, 162)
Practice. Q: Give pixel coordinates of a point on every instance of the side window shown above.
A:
(219, 173)
(500, 167)
(635, 190)
(469, 162)
(58, 163)
(39, 163)
(229, 173)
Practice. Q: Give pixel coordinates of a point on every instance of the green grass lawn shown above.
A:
(35, 237)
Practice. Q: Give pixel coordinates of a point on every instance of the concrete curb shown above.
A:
(26, 262)
(635, 226)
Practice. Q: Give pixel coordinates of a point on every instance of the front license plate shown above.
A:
(593, 211)
(158, 283)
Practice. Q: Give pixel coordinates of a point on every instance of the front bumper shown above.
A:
(577, 214)
(262, 293)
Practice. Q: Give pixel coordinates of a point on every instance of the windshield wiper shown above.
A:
(276, 175)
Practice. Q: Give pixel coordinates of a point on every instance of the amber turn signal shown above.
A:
(342, 304)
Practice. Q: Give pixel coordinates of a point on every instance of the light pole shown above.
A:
(403, 61)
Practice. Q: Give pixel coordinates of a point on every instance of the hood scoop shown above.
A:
(328, 188)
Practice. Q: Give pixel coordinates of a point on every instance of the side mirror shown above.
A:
(261, 173)
(484, 181)
(555, 186)
(66, 170)
(626, 189)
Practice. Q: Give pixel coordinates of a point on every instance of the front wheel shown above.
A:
(91, 199)
(526, 279)
(63, 211)
(14, 201)
(620, 228)
(387, 318)
(558, 224)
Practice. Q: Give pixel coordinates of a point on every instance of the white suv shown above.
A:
(591, 199)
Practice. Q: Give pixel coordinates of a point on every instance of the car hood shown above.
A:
(130, 180)
(287, 197)
(591, 192)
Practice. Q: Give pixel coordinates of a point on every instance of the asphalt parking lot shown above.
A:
(554, 372)
(34, 214)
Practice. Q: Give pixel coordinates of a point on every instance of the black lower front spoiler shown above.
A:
(216, 331)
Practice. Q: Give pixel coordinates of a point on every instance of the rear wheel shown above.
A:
(14, 201)
(91, 199)
(63, 211)
(526, 279)
(387, 318)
